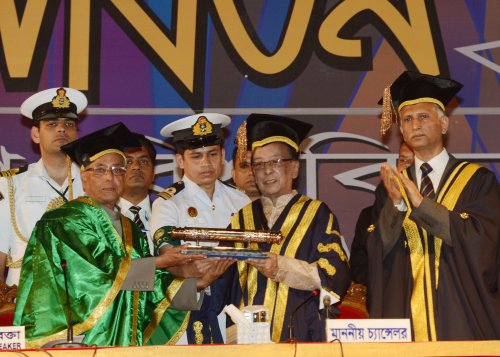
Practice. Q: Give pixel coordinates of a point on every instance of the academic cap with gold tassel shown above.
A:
(412, 88)
(264, 129)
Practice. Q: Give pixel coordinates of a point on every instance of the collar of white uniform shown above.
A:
(38, 169)
(193, 189)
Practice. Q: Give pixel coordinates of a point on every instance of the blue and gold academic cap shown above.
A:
(114, 139)
(412, 88)
(262, 129)
(195, 131)
(54, 103)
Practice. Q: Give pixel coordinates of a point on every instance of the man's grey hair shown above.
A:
(440, 111)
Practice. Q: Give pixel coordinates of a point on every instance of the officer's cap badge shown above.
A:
(202, 127)
(60, 100)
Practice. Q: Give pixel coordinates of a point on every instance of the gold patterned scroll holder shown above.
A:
(198, 235)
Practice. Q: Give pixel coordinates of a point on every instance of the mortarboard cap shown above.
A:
(412, 88)
(197, 130)
(263, 129)
(114, 139)
(54, 103)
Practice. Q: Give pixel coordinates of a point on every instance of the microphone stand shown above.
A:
(327, 303)
(69, 342)
(292, 315)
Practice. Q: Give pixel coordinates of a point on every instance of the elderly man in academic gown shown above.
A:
(434, 252)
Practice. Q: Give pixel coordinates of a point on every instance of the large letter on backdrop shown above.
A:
(412, 37)
(79, 44)
(173, 51)
(25, 35)
(82, 44)
(264, 66)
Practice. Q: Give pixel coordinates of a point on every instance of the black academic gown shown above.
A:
(359, 256)
(311, 233)
(367, 217)
(460, 293)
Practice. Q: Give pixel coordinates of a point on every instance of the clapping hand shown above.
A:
(389, 175)
(412, 191)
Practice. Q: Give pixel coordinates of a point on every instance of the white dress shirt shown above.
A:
(438, 164)
(144, 214)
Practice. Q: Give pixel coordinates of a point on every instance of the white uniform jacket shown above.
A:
(185, 204)
(33, 193)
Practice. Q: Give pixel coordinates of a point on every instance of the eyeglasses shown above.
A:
(102, 170)
(273, 164)
(142, 161)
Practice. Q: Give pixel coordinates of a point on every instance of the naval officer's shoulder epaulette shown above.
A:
(172, 190)
(14, 171)
(229, 184)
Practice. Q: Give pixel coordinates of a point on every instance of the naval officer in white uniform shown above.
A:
(27, 192)
(200, 199)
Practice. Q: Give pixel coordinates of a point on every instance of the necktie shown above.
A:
(426, 188)
(137, 219)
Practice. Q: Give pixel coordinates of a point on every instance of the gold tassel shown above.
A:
(242, 142)
(386, 120)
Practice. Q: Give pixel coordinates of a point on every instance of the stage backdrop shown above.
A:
(147, 63)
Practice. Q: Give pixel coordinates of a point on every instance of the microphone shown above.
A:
(69, 342)
(314, 293)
